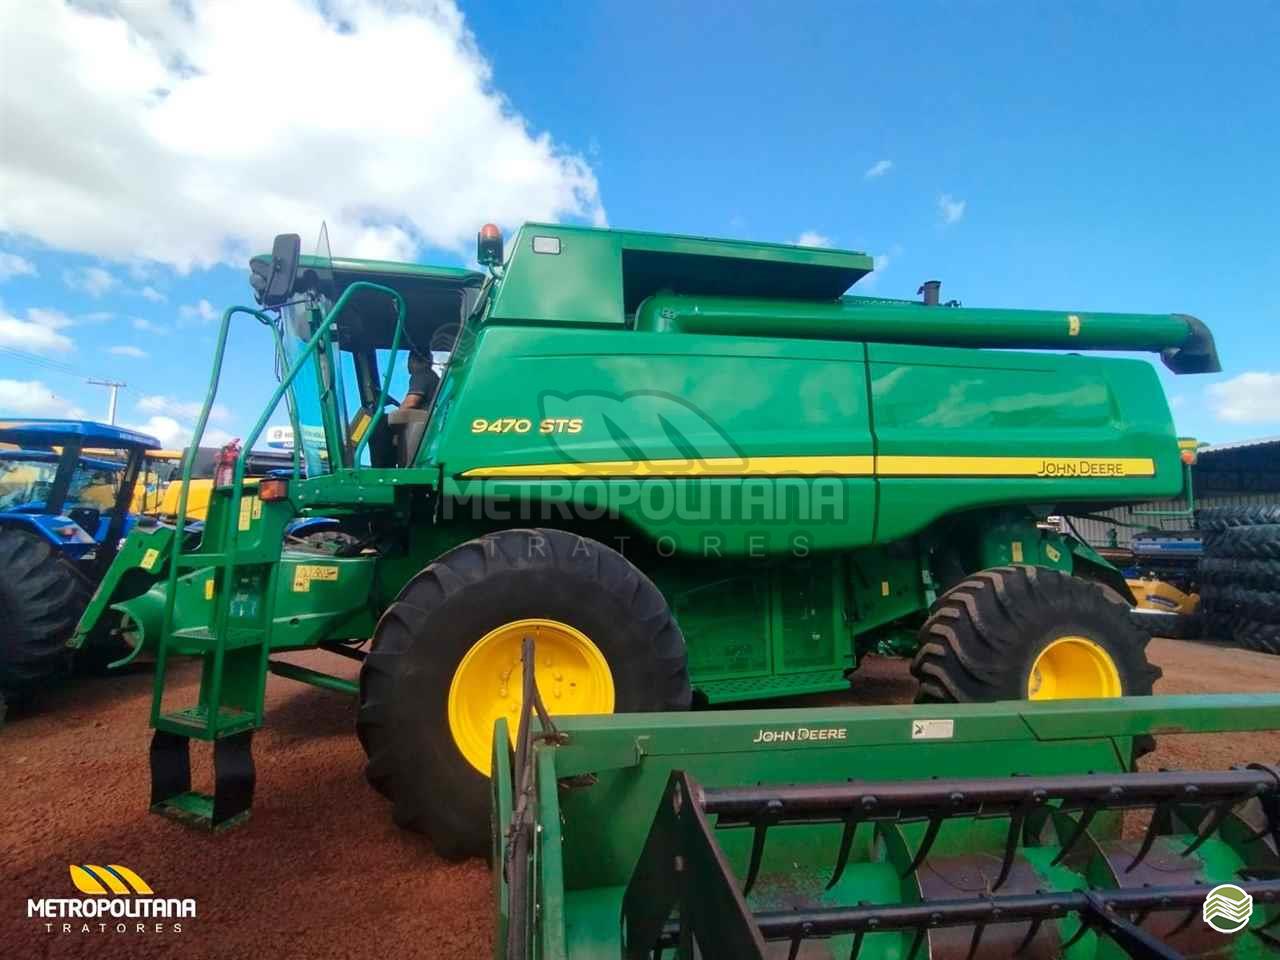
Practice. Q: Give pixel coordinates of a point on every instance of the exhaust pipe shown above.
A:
(932, 290)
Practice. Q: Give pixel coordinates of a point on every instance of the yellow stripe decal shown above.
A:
(1047, 467)
(858, 466)
(853, 466)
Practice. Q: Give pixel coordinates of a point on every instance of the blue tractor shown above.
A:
(66, 487)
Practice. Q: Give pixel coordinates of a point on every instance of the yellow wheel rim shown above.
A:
(572, 676)
(1073, 668)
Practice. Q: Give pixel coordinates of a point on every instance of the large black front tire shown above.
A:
(985, 634)
(473, 589)
(41, 598)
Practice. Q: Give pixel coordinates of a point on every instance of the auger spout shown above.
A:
(1184, 343)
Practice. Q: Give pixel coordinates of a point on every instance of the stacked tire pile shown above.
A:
(1240, 575)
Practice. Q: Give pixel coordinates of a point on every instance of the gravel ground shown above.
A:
(319, 870)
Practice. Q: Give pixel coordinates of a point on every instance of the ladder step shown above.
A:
(233, 780)
(196, 810)
(194, 722)
(200, 639)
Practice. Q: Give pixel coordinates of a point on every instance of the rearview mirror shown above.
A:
(273, 282)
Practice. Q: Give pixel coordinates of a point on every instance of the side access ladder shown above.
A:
(231, 573)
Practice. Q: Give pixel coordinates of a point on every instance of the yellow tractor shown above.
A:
(157, 496)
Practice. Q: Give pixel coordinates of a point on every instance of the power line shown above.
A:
(45, 363)
(50, 365)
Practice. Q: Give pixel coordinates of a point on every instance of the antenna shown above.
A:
(114, 386)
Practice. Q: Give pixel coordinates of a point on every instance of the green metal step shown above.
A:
(199, 639)
(194, 722)
(195, 809)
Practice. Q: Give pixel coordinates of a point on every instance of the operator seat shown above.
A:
(408, 427)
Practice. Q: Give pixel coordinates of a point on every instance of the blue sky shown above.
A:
(1090, 157)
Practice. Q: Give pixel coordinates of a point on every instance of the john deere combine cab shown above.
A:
(693, 471)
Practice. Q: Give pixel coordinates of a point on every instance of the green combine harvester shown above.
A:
(692, 471)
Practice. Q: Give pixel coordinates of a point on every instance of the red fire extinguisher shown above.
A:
(224, 465)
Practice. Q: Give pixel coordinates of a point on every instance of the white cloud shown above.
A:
(880, 263)
(127, 350)
(33, 398)
(158, 403)
(152, 294)
(12, 265)
(950, 208)
(38, 333)
(408, 144)
(95, 281)
(173, 434)
(147, 326)
(1252, 397)
(878, 169)
(202, 311)
(812, 238)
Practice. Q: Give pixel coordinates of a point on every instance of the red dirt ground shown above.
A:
(320, 871)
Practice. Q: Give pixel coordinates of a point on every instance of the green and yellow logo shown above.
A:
(113, 878)
(1227, 908)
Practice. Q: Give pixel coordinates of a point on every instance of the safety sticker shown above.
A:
(303, 574)
(933, 729)
(149, 558)
(250, 510)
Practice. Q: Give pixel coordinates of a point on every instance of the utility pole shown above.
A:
(114, 386)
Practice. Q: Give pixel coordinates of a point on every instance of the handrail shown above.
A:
(180, 521)
(237, 483)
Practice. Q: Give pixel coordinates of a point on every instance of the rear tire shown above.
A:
(987, 633)
(438, 618)
(41, 598)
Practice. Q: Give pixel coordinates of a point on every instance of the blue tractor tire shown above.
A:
(41, 598)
